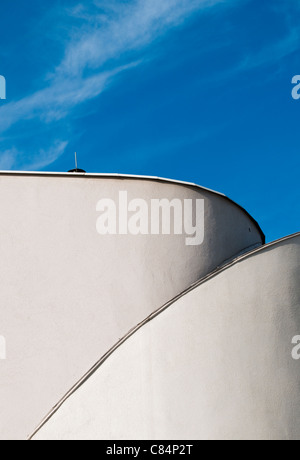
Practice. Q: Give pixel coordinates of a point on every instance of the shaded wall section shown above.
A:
(68, 294)
(216, 364)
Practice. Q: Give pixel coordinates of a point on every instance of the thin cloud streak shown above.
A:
(133, 28)
(9, 158)
(56, 102)
(272, 53)
(47, 157)
(117, 31)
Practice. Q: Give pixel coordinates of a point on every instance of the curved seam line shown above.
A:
(149, 318)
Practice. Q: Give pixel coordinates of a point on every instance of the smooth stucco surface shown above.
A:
(216, 364)
(68, 294)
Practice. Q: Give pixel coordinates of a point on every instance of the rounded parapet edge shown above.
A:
(81, 174)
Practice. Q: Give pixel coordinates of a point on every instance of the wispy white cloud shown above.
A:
(98, 50)
(123, 28)
(132, 27)
(9, 158)
(47, 157)
(272, 53)
(106, 41)
(58, 99)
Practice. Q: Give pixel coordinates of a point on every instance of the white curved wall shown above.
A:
(216, 364)
(68, 294)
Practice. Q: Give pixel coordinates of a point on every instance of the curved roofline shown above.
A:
(153, 315)
(82, 175)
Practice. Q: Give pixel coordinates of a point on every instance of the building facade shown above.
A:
(143, 308)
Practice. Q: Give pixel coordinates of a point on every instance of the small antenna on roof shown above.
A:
(76, 170)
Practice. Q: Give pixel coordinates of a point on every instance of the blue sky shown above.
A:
(195, 90)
